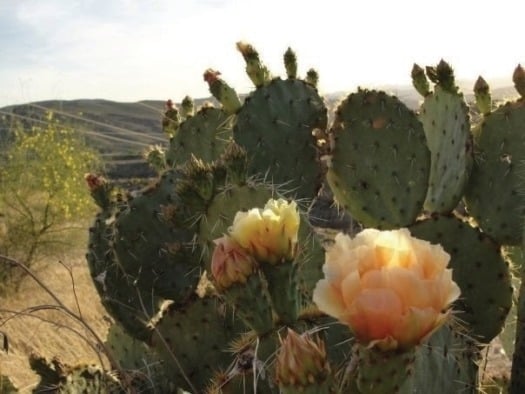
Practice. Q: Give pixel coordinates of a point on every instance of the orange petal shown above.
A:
(328, 299)
(374, 314)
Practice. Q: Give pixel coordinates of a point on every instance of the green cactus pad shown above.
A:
(380, 162)
(204, 135)
(445, 118)
(195, 338)
(479, 270)
(494, 195)
(447, 363)
(382, 372)
(154, 243)
(275, 127)
(130, 306)
(137, 360)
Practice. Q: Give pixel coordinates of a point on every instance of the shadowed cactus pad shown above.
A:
(478, 268)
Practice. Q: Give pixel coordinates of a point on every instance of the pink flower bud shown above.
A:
(230, 263)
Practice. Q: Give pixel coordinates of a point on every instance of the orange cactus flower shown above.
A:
(391, 289)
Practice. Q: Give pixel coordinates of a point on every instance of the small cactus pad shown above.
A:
(445, 119)
(193, 341)
(494, 194)
(380, 162)
(479, 270)
(275, 127)
(204, 135)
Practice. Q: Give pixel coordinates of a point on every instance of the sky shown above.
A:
(128, 50)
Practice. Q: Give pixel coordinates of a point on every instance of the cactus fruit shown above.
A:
(379, 165)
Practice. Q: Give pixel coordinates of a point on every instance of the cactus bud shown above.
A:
(290, 63)
(518, 77)
(235, 160)
(223, 92)
(420, 81)
(156, 157)
(171, 119)
(230, 263)
(187, 107)
(257, 72)
(312, 77)
(301, 363)
(99, 189)
(482, 93)
(237, 278)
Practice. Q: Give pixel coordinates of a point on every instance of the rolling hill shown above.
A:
(122, 131)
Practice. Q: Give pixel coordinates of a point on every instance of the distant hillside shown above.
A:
(122, 131)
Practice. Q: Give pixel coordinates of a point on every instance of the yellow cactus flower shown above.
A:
(268, 234)
(230, 263)
(391, 289)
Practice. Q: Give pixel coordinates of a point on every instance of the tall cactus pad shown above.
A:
(204, 135)
(494, 195)
(479, 270)
(445, 119)
(130, 306)
(193, 342)
(153, 243)
(275, 127)
(380, 162)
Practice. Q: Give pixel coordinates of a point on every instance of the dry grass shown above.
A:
(31, 334)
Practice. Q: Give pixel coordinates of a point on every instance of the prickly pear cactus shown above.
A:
(379, 165)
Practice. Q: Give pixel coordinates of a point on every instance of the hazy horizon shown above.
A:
(128, 51)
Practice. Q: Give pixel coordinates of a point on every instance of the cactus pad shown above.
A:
(479, 270)
(380, 162)
(494, 195)
(275, 127)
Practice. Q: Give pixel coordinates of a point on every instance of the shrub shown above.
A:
(42, 192)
